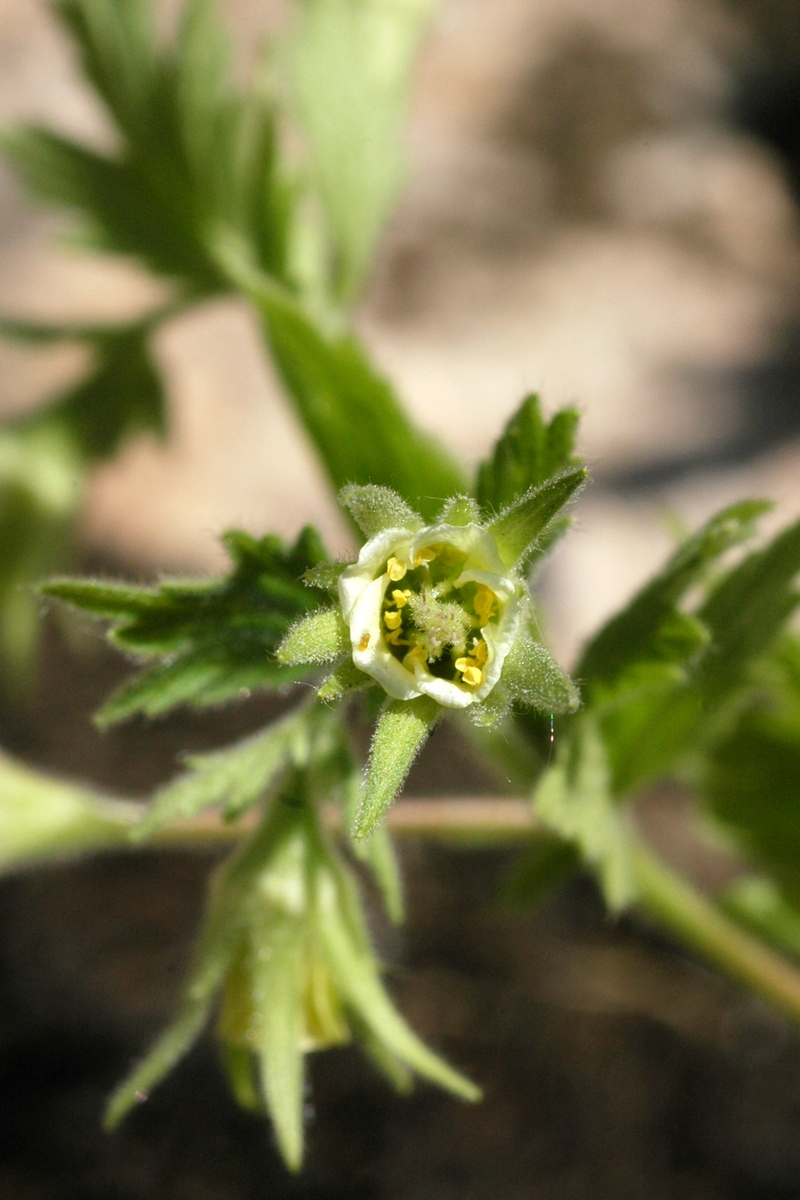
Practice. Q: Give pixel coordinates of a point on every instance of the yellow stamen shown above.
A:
(400, 598)
(415, 654)
(394, 638)
(426, 555)
(480, 652)
(362, 645)
(472, 675)
(395, 569)
(484, 602)
(393, 620)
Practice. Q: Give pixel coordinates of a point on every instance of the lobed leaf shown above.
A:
(530, 451)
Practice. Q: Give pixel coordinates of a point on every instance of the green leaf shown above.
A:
(746, 611)
(377, 508)
(518, 529)
(43, 818)
(402, 730)
(634, 633)
(237, 776)
(118, 53)
(530, 451)
(321, 637)
(212, 638)
(460, 510)
(350, 63)
(574, 799)
(534, 678)
(338, 396)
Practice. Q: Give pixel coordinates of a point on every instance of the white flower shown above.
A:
(432, 613)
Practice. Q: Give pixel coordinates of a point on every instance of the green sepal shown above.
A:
(376, 851)
(345, 679)
(325, 576)
(321, 637)
(518, 529)
(376, 508)
(533, 678)
(488, 713)
(461, 510)
(402, 730)
(530, 451)
(574, 798)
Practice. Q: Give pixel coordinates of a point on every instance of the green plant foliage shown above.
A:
(574, 799)
(530, 451)
(321, 637)
(210, 639)
(376, 508)
(533, 678)
(350, 66)
(352, 415)
(756, 902)
(402, 730)
(518, 529)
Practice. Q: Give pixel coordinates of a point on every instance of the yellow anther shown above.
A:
(485, 601)
(472, 675)
(415, 654)
(395, 569)
(426, 555)
(362, 645)
(393, 620)
(400, 598)
(480, 652)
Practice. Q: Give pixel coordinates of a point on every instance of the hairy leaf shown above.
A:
(529, 452)
(321, 637)
(376, 508)
(211, 639)
(518, 529)
(402, 730)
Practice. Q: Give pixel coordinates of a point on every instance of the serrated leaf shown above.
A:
(212, 638)
(321, 637)
(529, 452)
(350, 66)
(402, 730)
(518, 528)
(534, 678)
(574, 799)
(236, 776)
(335, 392)
(377, 508)
(633, 634)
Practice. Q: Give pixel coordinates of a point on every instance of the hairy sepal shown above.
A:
(518, 529)
(376, 508)
(321, 637)
(402, 730)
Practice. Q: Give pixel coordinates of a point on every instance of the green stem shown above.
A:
(697, 922)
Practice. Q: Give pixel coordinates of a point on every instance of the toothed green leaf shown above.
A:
(212, 638)
(321, 637)
(530, 451)
(236, 777)
(376, 508)
(634, 633)
(402, 730)
(337, 394)
(518, 528)
(574, 799)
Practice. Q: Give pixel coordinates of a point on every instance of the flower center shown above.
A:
(427, 620)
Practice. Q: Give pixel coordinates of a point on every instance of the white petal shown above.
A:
(374, 554)
(477, 543)
(376, 659)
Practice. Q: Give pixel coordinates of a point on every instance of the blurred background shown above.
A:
(602, 206)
